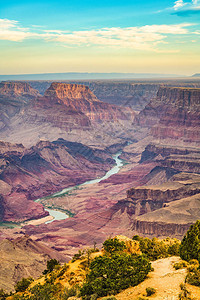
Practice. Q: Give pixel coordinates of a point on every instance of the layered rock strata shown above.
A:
(28, 174)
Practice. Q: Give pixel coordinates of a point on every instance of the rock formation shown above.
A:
(70, 111)
(13, 96)
(23, 257)
(174, 113)
(28, 174)
(19, 90)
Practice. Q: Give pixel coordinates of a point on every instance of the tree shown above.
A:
(113, 245)
(190, 245)
(110, 274)
(51, 265)
(23, 284)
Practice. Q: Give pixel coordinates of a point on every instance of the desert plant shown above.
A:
(110, 274)
(150, 291)
(155, 248)
(23, 284)
(3, 294)
(51, 264)
(190, 245)
(184, 294)
(180, 265)
(112, 246)
(193, 277)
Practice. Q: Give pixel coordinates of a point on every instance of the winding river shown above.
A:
(58, 215)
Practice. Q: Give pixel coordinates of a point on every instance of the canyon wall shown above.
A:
(28, 174)
(174, 113)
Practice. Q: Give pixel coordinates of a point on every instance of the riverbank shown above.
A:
(59, 214)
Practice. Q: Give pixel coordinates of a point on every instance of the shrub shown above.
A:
(63, 270)
(194, 277)
(150, 291)
(78, 255)
(180, 265)
(155, 248)
(23, 284)
(3, 294)
(51, 264)
(69, 293)
(194, 262)
(190, 245)
(44, 292)
(113, 245)
(184, 294)
(109, 275)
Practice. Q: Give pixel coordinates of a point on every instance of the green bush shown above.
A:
(3, 294)
(190, 245)
(150, 291)
(180, 265)
(113, 245)
(44, 292)
(184, 294)
(111, 274)
(193, 278)
(51, 264)
(156, 249)
(78, 255)
(69, 293)
(23, 284)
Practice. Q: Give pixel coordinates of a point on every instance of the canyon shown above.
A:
(28, 174)
(71, 112)
(65, 134)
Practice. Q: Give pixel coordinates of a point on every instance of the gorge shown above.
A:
(117, 170)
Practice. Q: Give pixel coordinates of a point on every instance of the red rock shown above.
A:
(17, 89)
(43, 170)
(174, 113)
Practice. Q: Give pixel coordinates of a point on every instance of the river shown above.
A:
(58, 215)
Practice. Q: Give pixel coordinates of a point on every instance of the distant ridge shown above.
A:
(79, 76)
(196, 75)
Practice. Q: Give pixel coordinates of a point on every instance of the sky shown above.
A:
(136, 36)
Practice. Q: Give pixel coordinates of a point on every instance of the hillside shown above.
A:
(92, 274)
(23, 257)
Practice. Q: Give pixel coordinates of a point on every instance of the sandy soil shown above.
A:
(39, 221)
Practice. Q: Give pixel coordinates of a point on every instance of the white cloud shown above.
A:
(144, 38)
(192, 4)
(147, 37)
(178, 4)
(9, 30)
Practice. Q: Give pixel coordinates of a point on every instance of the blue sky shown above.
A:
(100, 36)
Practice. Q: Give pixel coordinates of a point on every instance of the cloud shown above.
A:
(147, 37)
(189, 7)
(178, 4)
(10, 30)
